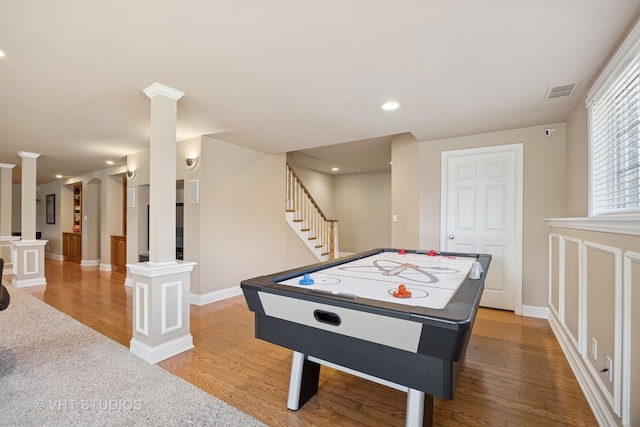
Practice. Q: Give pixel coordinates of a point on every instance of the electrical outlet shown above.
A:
(610, 369)
(594, 349)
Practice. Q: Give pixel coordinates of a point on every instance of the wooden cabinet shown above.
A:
(118, 253)
(77, 208)
(72, 247)
(72, 241)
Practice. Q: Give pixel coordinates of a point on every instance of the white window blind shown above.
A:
(615, 149)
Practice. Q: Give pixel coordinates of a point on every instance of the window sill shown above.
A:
(619, 224)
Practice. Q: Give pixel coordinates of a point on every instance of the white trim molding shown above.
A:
(171, 305)
(161, 352)
(534, 311)
(212, 297)
(629, 48)
(598, 405)
(148, 269)
(616, 224)
(552, 308)
(90, 263)
(629, 259)
(26, 283)
(160, 89)
(142, 311)
(56, 257)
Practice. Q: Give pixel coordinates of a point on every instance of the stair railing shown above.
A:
(306, 211)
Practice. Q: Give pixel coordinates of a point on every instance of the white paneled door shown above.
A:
(482, 213)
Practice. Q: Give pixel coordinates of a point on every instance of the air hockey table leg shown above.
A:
(419, 409)
(303, 383)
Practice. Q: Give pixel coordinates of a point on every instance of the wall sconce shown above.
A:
(191, 163)
(131, 175)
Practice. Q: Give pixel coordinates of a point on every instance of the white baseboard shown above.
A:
(163, 351)
(27, 283)
(215, 296)
(90, 263)
(595, 400)
(535, 311)
(105, 267)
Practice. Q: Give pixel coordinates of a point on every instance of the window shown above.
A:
(614, 113)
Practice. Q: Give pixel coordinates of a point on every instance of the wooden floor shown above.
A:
(514, 374)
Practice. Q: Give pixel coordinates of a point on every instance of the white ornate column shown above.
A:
(6, 189)
(161, 324)
(28, 253)
(6, 181)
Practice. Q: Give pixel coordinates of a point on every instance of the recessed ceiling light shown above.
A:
(335, 169)
(390, 106)
(109, 162)
(58, 176)
(1, 54)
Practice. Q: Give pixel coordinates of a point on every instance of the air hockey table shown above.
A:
(399, 318)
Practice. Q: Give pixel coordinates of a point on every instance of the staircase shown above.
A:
(305, 217)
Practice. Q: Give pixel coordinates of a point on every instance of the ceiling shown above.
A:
(287, 75)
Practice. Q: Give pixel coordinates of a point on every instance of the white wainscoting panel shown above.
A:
(555, 275)
(142, 309)
(31, 264)
(611, 393)
(171, 307)
(629, 367)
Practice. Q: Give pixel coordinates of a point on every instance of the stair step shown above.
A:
(298, 220)
(290, 210)
(305, 229)
(313, 238)
(325, 253)
(319, 246)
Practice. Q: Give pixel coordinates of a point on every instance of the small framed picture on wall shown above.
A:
(51, 208)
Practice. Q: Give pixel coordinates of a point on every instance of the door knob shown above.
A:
(451, 236)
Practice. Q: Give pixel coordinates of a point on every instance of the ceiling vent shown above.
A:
(560, 91)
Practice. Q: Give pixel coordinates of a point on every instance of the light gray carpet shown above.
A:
(55, 371)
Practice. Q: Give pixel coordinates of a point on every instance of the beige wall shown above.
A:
(91, 207)
(192, 238)
(50, 232)
(111, 223)
(577, 168)
(363, 209)
(242, 214)
(136, 215)
(236, 229)
(298, 255)
(544, 194)
(405, 192)
(102, 205)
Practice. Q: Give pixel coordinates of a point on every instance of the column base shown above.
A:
(28, 268)
(161, 321)
(161, 352)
